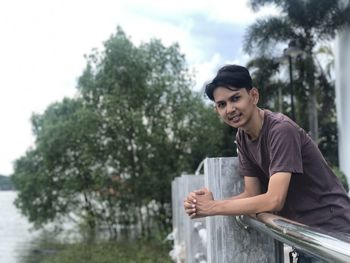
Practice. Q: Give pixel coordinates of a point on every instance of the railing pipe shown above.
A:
(334, 247)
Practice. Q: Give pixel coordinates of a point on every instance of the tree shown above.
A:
(109, 155)
(151, 117)
(264, 72)
(305, 23)
(58, 177)
(328, 142)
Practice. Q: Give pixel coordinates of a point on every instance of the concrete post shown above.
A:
(174, 207)
(195, 245)
(227, 240)
(178, 192)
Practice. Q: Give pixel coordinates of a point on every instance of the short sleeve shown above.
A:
(285, 149)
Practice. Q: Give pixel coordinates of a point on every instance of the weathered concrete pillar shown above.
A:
(174, 204)
(179, 216)
(227, 240)
(195, 247)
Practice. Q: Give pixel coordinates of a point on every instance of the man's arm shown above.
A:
(252, 187)
(272, 200)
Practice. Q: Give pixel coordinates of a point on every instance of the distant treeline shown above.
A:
(6, 183)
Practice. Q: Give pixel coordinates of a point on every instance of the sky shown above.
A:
(43, 43)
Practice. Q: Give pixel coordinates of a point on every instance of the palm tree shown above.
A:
(264, 73)
(328, 142)
(305, 22)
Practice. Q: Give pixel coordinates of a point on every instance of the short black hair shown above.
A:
(229, 76)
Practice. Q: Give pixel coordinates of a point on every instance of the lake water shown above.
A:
(15, 234)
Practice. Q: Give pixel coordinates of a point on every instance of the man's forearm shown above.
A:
(239, 196)
(244, 206)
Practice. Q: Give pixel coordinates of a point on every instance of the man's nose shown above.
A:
(230, 108)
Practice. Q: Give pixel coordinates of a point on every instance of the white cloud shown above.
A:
(235, 12)
(205, 71)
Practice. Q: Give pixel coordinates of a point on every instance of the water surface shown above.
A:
(15, 234)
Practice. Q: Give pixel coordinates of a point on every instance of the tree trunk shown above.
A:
(142, 225)
(148, 222)
(313, 117)
(312, 102)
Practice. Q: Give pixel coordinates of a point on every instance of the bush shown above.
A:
(111, 252)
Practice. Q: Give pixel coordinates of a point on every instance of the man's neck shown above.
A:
(256, 124)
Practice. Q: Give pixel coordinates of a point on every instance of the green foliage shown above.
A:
(263, 69)
(108, 156)
(104, 252)
(112, 252)
(323, 15)
(56, 177)
(6, 183)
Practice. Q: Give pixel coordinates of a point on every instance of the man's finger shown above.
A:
(191, 198)
(193, 216)
(190, 211)
(189, 205)
(199, 192)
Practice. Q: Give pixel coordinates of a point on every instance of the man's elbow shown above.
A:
(276, 204)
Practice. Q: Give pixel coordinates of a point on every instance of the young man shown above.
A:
(283, 169)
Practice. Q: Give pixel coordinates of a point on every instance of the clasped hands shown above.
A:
(199, 203)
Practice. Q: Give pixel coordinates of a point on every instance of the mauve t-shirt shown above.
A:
(315, 195)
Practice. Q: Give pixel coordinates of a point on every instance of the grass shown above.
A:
(107, 252)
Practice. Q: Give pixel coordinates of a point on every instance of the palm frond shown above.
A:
(257, 4)
(267, 31)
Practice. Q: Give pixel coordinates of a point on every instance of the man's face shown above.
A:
(235, 106)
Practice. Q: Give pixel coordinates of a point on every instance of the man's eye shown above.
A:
(235, 98)
(220, 105)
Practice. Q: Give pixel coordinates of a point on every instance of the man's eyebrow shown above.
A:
(237, 92)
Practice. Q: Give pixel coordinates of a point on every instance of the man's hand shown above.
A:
(190, 202)
(199, 203)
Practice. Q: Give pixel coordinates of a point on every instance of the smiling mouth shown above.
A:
(234, 118)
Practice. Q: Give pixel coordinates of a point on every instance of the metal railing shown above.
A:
(334, 247)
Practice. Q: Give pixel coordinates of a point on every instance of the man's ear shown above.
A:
(216, 109)
(254, 92)
(217, 112)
